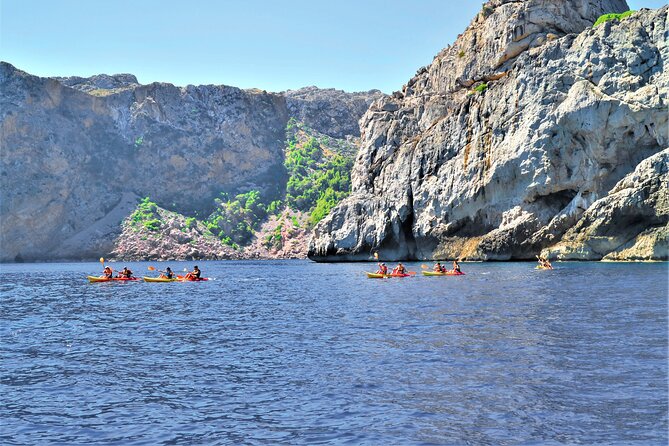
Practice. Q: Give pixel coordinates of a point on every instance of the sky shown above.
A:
(353, 45)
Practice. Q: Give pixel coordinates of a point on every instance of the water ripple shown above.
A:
(293, 352)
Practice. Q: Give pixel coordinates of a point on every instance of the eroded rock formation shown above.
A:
(500, 147)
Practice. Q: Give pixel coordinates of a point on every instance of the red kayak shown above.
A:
(446, 273)
(183, 279)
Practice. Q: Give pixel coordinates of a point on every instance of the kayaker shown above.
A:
(125, 273)
(195, 274)
(167, 274)
(399, 269)
(383, 269)
(438, 268)
(544, 263)
(107, 272)
(456, 267)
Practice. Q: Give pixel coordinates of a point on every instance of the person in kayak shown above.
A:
(383, 269)
(439, 268)
(400, 269)
(544, 263)
(456, 267)
(107, 272)
(167, 274)
(125, 273)
(194, 275)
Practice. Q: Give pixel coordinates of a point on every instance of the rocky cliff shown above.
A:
(77, 153)
(331, 112)
(519, 137)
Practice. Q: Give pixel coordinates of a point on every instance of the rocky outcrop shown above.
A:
(630, 223)
(176, 238)
(329, 111)
(74, 150)
(497, 149)
(285, 236)
(100, 84)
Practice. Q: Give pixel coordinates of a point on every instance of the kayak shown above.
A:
(158, 279)
(543, 267)
(93, 279)
(385, 276)
(447, 273)
(176, 279)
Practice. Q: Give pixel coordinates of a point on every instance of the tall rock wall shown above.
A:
(497, 149)
(78, 152)
(332, 112)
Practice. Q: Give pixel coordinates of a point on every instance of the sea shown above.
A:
(301, 353)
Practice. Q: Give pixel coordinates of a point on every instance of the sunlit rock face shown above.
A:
(77, 153)
(502, 144)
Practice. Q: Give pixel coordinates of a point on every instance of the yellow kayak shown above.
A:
(159, 279)
(543, 267)
(386, 276)
(93, 279)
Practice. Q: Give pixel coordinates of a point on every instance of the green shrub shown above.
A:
(235, 220)
(480, 88)
(152, 225)
(146, 215)
(274, 207)
(613, 16)
(190, 222)
(274, 239)
(461, 54)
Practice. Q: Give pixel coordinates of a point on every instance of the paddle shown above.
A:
(102, 260)
(424, 266)
(153, 268)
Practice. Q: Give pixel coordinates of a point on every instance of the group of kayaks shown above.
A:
(94, 279)
(127, 276)
(544, 265)
(410, 274)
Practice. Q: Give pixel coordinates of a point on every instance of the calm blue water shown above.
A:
(293, 352)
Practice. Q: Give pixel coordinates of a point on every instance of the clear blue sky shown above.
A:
(272, 45)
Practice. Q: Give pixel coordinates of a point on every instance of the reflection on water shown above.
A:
(293, 352)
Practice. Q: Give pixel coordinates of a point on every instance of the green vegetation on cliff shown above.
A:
(235, 220)
(318, 177)
(613, 16)
(146, 216)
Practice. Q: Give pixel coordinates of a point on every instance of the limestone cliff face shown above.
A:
(630, 223)
(78, 152)
(329, 111)
(498, 148)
